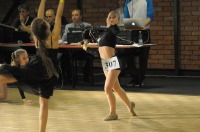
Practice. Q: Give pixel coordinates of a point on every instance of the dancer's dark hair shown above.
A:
(40, 31)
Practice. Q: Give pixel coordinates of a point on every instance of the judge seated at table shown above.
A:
(80, 54)
(23, 23)
(50, 18)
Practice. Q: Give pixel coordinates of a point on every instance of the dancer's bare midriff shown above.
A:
(106, 52)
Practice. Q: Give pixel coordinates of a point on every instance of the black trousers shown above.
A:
(138, 72)
(82, 55)
(128, 58)
(66, 64)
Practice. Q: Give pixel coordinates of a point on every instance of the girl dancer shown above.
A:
(41, 73)
(111, 67)
(19, 58)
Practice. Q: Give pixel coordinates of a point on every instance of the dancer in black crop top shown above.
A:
(111, 67)
(109, 37)
(40, 74)
(19, 58)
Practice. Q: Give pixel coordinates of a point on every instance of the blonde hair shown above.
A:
(15, 57)
(116, 13)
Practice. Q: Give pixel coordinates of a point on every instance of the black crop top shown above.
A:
(109, 37)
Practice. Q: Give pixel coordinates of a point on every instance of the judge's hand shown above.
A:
(22, 19)
(111, 22)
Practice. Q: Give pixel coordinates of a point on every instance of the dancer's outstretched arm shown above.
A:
(41, 9)
(57, 26)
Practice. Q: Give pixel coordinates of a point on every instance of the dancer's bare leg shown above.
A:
(108, 88)
(43, 115)
(122, 94)
(111, 84)
(3, 91)
(7, 79)
(4, 79)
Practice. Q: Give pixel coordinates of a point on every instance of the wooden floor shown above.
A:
(83, 111)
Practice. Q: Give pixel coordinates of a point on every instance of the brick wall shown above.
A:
(190, 34)
(93, 11)
(162, 29)
(162, 56)
(52, 4)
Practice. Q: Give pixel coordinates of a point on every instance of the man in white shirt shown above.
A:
(139, 9)
(120, 11)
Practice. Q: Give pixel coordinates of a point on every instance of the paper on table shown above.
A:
(135, 45)
(75, 44)
(60, 41)
(92, 43)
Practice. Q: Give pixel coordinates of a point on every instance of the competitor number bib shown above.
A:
(110, 64)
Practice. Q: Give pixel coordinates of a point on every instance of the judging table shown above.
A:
(72, 46)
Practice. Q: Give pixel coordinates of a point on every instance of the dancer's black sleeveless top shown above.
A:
(33, 78)
(109, 37)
